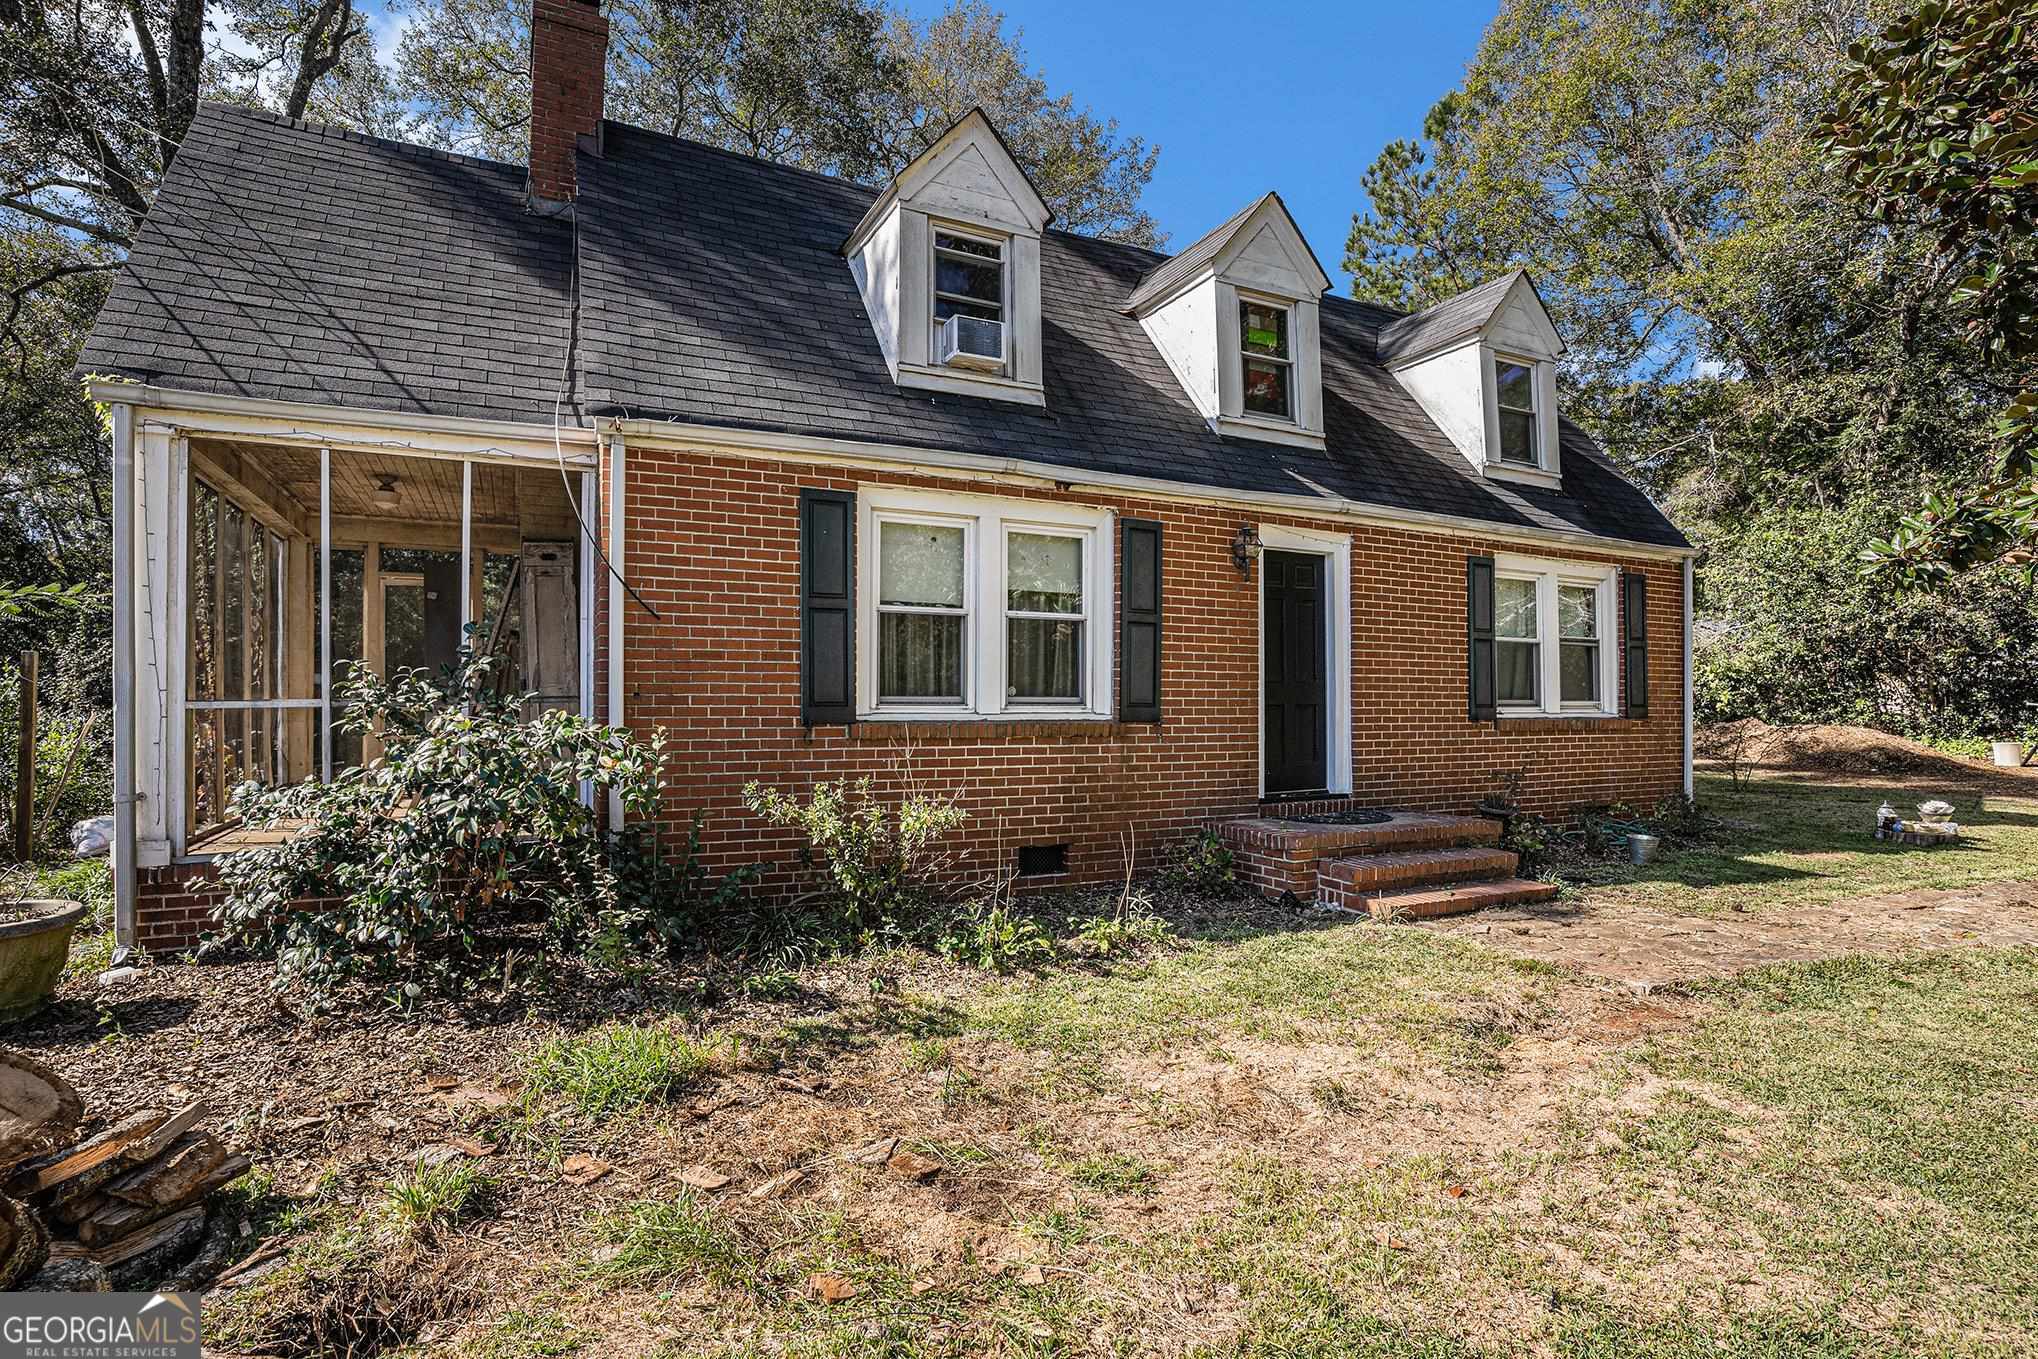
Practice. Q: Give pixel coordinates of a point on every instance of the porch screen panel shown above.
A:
(236, 656)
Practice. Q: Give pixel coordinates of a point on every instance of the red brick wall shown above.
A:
(569, 59)
(712, 544)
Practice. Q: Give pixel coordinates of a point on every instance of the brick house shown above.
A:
(830, 482)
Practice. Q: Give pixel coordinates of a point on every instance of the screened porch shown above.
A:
(299, 562)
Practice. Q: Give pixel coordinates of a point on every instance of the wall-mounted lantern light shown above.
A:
(1244, 548)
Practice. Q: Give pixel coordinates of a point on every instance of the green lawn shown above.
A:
(1278, 1140)
(1791, 842)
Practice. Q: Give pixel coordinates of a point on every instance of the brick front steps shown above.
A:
(1414, 864)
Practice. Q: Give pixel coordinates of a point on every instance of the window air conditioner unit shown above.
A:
(972, 342)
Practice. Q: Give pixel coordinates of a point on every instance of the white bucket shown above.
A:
(2007, 754)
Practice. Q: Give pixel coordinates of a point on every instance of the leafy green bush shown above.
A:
(991, 935)
(1200, 864)
(464, 844)
(879, 860)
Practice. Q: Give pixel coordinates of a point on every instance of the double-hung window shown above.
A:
(1265, 351)
(969, 277)
(1550, 624)
(1514, 384)
(983, 607)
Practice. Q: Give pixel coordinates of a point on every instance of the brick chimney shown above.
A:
(569, 56)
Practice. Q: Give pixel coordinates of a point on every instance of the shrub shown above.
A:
(618, 1067)
(1199, 864)
(1132, 925)
(991, 935)
(878, 860)
(466, 840)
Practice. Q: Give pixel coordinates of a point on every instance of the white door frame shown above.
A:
(1336, 550)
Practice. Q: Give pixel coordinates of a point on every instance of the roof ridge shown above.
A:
(397, 144)
(1160, 257)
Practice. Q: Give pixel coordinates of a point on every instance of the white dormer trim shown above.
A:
(966, 183)
(1189, 308)
(1457, 385)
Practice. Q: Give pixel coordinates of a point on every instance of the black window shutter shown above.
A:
(1481, 682)
(1139, 631)
(827, 607)
(1635, 634)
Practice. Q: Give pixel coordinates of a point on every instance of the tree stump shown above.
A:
(38, 1109)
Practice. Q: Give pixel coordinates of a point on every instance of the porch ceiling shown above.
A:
(428, 489)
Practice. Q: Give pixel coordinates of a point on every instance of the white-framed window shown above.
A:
(982, 606)
(1514, 386)
(968, 277)
(1266, 358)
(1553, 625)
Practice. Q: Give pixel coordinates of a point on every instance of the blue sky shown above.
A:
(1296, 96)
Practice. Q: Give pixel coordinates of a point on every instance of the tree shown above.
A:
(1784, 370)
(843, 86)
(1936, 129)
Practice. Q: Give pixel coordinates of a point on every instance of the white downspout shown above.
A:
(124, 880)
(1688, 786)
(612, 508)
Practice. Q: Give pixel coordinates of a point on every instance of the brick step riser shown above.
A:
(1427, 903)
(1283, 856)
(1391, 872)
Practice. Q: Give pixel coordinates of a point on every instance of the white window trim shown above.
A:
(1548, 575)
(1336, 549)
(1290, 368)
(936, 228)
(987, 521)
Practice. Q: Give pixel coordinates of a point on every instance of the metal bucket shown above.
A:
(1642, 848)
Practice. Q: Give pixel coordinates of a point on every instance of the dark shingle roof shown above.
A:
(305, 264)
(713, 291)
(300, 263)
(1451, 320)
(1163, 277)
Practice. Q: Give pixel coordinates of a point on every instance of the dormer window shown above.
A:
(1268, 376)
(1236, 318)
(1483, 365)
(948, 263)
(1514, 385)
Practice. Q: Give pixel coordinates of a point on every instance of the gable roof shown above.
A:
(1171, 273)
(294, 262)
(1449, 321)
(975, 127)
(304, 264)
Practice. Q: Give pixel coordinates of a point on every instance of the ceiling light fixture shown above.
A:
(385, 497)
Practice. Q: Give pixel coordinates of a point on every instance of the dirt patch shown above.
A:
(1834, 748)
(1647, 949)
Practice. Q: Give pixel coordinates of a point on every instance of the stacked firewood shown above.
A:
(132, 1195)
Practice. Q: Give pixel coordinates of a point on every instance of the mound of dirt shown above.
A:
(1834, 748)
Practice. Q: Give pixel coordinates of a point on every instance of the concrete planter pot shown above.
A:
(2006, 754)
(32, 953)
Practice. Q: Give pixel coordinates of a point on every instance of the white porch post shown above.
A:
(1689, 787)
(325, 615)
(124, 877)
(612, 508)
(590, 515)
(466, 551)
(154, 665)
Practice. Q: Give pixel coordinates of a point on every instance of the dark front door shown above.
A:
(1292, 670)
